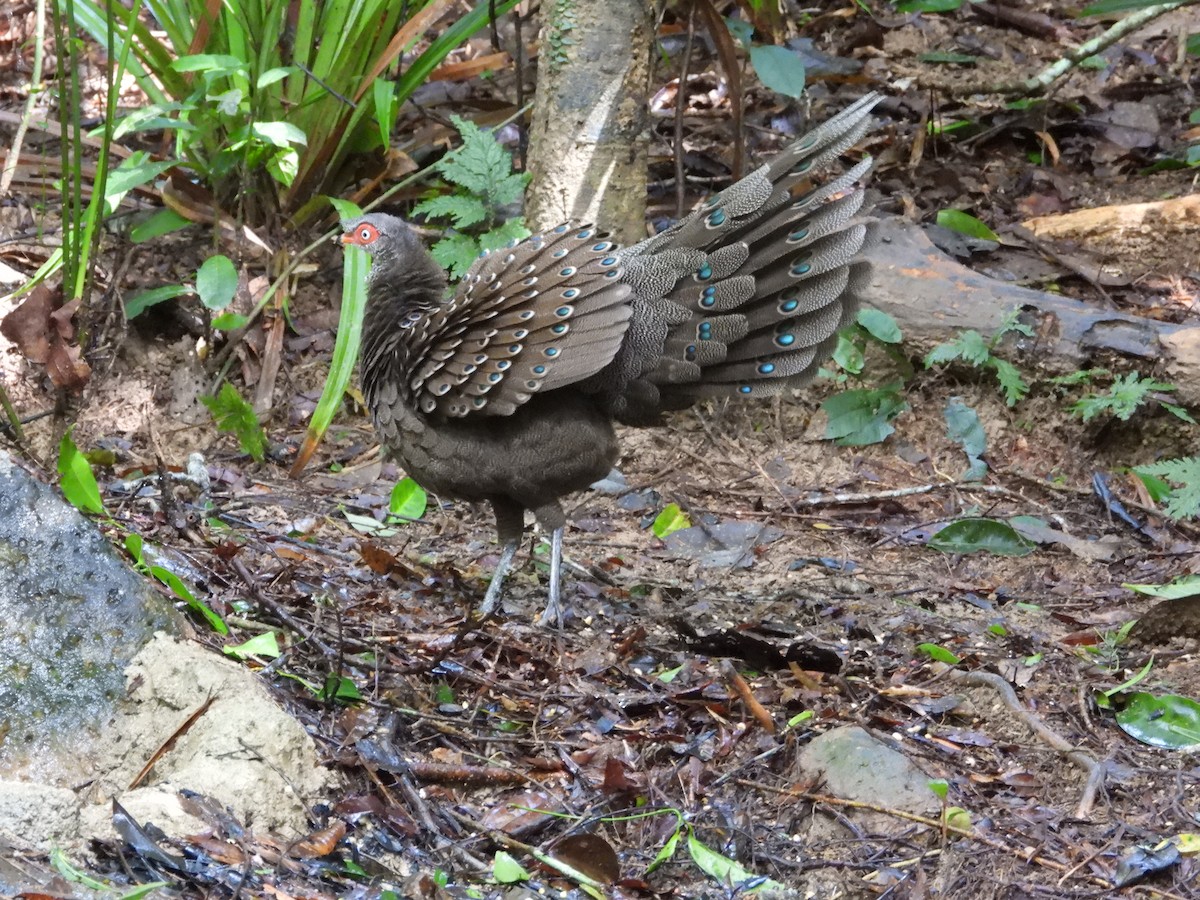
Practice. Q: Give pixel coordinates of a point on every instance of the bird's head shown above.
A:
(394, 247)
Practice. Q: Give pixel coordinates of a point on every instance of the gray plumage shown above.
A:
(506, 390)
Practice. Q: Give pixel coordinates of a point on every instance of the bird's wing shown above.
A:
(543, 313)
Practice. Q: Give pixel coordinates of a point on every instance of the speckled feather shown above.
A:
(547, 341)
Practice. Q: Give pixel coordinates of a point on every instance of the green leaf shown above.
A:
(230, 321)
(78, 484)
(779, 69)
(964, 428)
(386, 108)
(879, 325)
(863, 416)
(939, 653)
(726, 871)
(1011, 383)
(670, 520)
(941, 787)
(933, 6)
(216, 282)
(265, 644)
(969, 346)
(279, 134)
(1181, 588)
(507, 870)
(667, 851)
(209, 62)
(133, 172)
(340, 689)
(1104, 7)
(948, 58)
(742, 31)
(162, 222)
(142, 301)
(503, 235)
(1184, 500)
(408, 500)
(1169, 721)
(482, 166)
(234, 414)
(456, 253)
(990, 535)
(847, 355)
(62, 865)
(463, 211)
(965, 223)
(269, 77)
(184, 593)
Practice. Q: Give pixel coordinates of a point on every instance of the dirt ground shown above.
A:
(815, 580)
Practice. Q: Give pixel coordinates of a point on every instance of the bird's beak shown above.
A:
(346, 237)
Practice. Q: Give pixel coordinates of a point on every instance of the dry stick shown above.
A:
(1095, 770)
(39, 38)
(680, 104)
(1039, 83)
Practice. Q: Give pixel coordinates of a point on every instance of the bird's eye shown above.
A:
(366, 234)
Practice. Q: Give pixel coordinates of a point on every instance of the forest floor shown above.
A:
(809, 569)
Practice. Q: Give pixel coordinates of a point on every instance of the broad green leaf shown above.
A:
(947, 58)
(879, 325)
(209, 62)
(939, 653)
(964, 428)
(860, 417)
(77, 482)
(1167, 720)
(667, 851)
(965, 223)
(742, 30)
(140, 302)
(133, 172)
(507, 870)
(216, 282)
(280, 134)
(265, 644)
(847, 355)
(162, 222)
(670, 520)
(1185, 586)
(1104, 7)
(929, 6)
(990, 535)
(779, 69)
(726, 871)
(340, 689)
(408, 500)
(184, 593)
(368, 525)
(230, 321)
(269, 77)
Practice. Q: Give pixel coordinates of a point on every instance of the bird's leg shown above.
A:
(552, 519)
(553, 613)
(496, 585)
(510, 523)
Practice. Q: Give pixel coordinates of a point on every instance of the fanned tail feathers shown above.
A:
(744, 297)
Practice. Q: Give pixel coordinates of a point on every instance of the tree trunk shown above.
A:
(589, 140)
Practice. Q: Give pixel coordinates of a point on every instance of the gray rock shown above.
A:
(72, 616)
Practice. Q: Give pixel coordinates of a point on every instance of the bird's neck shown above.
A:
(394, 325)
